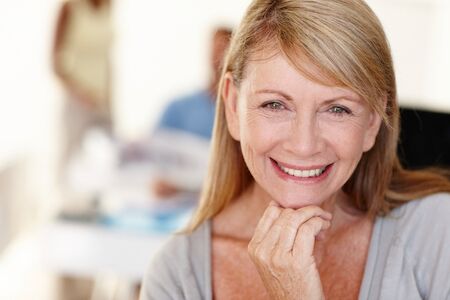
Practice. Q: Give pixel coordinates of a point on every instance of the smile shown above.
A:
(303, 173)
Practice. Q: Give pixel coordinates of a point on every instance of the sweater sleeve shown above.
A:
(162, 280)
(432, 253)
(422, 248)
(181, 269)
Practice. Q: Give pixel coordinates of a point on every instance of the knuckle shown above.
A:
(279, 261)
(272, 211)
(312, 210)
(289, 215)
(290, 220)
(308, 228)
(312, 225)
(278, 226)
(287, 212)
(259, 253)
(294, 221)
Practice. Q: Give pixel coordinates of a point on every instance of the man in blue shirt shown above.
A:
(194, 113)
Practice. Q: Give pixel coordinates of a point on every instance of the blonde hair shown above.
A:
(345, 41)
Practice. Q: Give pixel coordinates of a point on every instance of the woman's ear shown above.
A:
(230, 101)
(373, 128)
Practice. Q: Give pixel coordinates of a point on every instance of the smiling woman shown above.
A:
(304, 171)
(291, 128)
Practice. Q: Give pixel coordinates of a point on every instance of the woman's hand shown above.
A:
(282, 251)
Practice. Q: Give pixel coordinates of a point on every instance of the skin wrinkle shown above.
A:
(249, 115)
(304, 132)
(357, 57)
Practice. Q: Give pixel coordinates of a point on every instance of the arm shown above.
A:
(61, 26)
(58, 40)
(169, 119)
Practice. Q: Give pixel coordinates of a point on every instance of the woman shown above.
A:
(81, 61)
(306, 198)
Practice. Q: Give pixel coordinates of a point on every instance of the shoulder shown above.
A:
(196, 98)
(430, 210)
(422, 219)
(64, 12)
(421, 232)
(69, 6)
(176, 110)
(177, 267)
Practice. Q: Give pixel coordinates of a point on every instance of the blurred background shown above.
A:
(84, 225)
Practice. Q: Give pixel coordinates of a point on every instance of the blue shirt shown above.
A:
(193, 113)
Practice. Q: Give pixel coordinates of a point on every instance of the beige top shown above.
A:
(85, 49)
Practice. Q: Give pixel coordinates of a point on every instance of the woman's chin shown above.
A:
(296, 203)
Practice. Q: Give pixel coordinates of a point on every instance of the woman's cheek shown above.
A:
(262, 133)
(345, 134)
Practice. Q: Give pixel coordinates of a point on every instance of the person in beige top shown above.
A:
(81, 61)
(304, 175)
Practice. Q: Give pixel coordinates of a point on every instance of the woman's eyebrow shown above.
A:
(347, 97)
(271, 91)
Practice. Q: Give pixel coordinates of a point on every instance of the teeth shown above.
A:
(302, 173)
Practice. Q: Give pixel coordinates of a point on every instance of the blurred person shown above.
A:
(305, 196)
(193, 113)
(81, 61)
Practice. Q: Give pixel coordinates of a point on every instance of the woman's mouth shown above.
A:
(303, 172)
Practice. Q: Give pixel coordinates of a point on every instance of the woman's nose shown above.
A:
(304, 139)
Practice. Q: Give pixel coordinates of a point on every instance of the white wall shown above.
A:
(162, 51)
(28, 99)
(419, 34)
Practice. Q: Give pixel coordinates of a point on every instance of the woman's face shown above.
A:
(300, 140)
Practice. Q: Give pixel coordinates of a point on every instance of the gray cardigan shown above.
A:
(409, 258)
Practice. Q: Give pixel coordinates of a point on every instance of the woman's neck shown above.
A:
(240, 218)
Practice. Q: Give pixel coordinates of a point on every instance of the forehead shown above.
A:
(276, 72)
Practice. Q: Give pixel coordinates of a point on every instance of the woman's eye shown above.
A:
(274, 106)
(339, 110)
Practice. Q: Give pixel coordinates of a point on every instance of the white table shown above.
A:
(91, 250)
(116, 259)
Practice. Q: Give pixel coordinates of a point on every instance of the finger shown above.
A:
(305, 239)
(278, 221)
(274, 203)
(265, 223)
(292, 222)
(270, 242)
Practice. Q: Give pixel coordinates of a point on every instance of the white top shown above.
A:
(409, 258)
